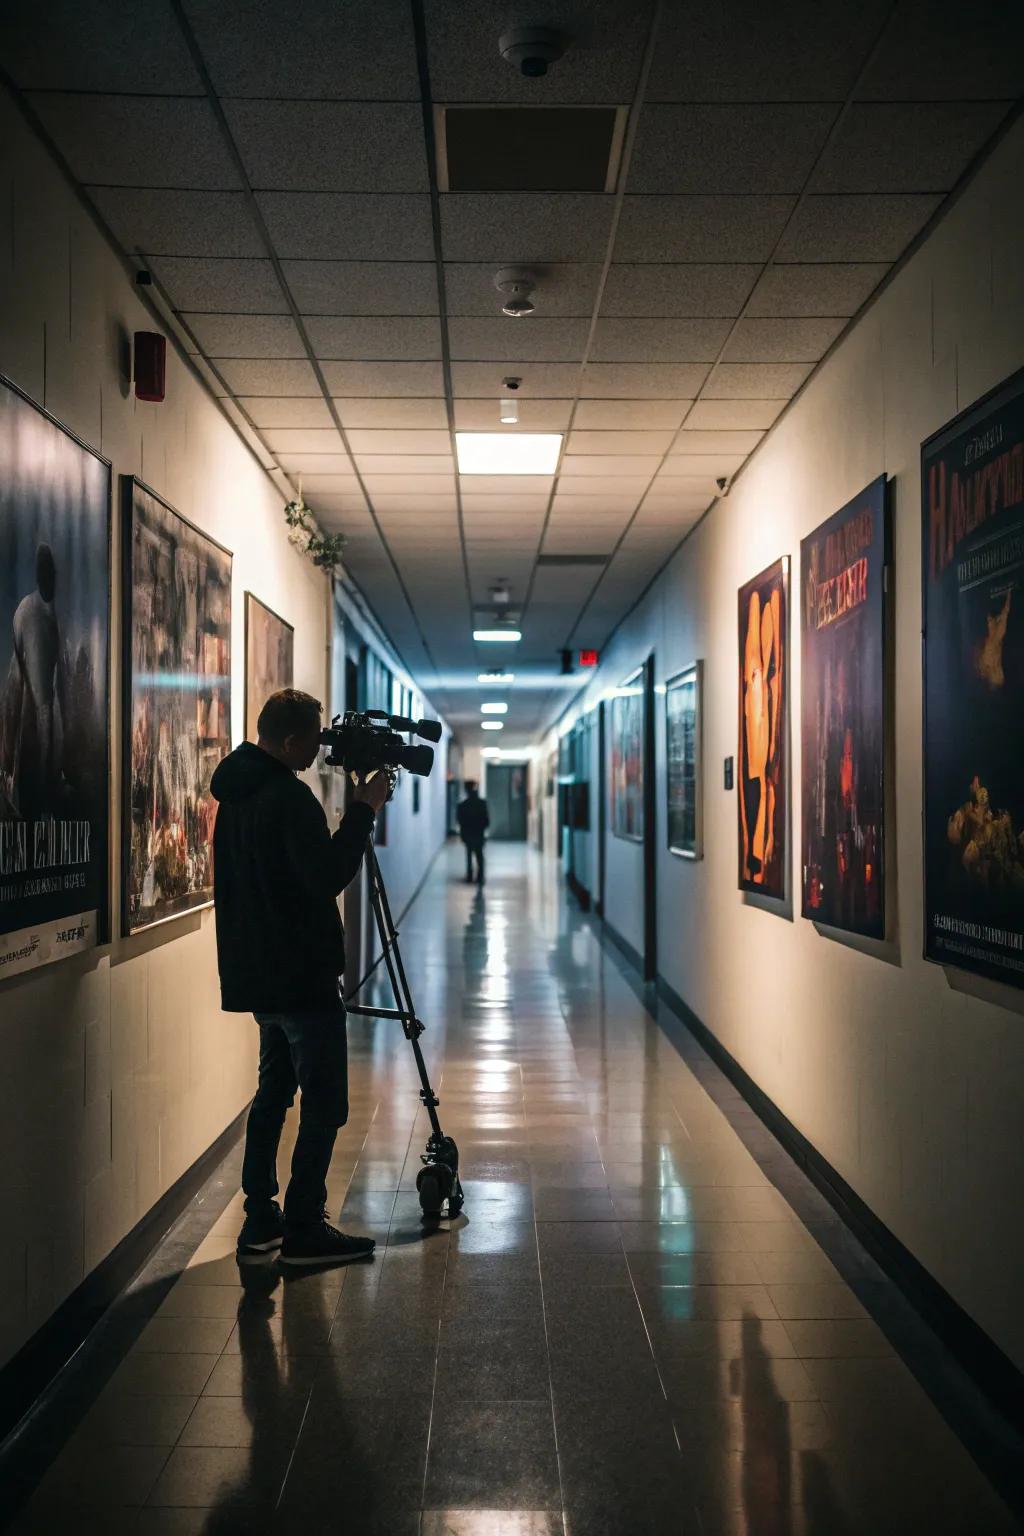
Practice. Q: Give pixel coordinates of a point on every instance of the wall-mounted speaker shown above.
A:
(150, 365)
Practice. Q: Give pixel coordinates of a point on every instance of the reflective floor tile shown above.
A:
(501, 1452)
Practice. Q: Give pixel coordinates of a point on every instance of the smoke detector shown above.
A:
(516, 285)
(499, 594)
(531, 49)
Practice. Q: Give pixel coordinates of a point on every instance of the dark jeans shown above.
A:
(306, 1050)
(475, 850)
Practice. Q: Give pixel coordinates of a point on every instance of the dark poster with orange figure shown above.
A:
(842, 692)
(972, 510)
(763, 682)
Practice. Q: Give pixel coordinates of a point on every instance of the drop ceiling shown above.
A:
(277, 168)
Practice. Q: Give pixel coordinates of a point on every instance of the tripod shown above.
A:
(438, 1180)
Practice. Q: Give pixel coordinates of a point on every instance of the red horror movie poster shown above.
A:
(842, 693)
(763, 682)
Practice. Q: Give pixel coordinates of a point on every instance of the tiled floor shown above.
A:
(630, 1331)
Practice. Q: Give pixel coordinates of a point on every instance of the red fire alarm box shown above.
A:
(588, 658)
(150, 365)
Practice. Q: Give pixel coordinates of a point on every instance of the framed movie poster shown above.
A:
(683, 762)
(54, 688)
(763, 685)
(269, 653)
(842, 715)
(972, 511)
(177, 689)
(627, 776)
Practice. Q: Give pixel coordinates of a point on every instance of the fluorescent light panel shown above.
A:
(495, 677)
(508, 453)
(492, 725)
(511, 635)
(494, 709)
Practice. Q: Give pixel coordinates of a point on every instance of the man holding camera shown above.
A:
(278, 872)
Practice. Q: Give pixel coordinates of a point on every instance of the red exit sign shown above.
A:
(588, 658)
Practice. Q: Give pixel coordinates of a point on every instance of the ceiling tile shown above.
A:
(253, 336)
(349, 226)
(303, 440)
(359, 146)
(511, 227)
(585, 465)
(242, 285)
(361, 441)
(534, 416)
(509, 502)
(66, 45)
(906, 147)
(726, 415)
(378, 465)
(719, 148)
(838, 288)
(339, 503)
(268, 411)
(661, 341)
(531, 339)
(695, 465)
(363, 287)
(393, 413)
(317, 465)
(561, 289)
(270, 50)
(855, 228)
(381, 339)
(808, 50)
(937, 49)
(325, 484)
(756, 381)
(372, 379)
(703, 229)
(503, 485)
(618, 442)
(782, 341)
(401, 485)
(639, 381)
(715, 442)
(158, 141)
(162, 223)
(244, 376)
(551, 381)
(678, 289)
(609, 495)
(620, 415)
(671, 500)
(422, 501)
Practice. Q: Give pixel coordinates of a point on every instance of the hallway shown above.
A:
(629, 1331)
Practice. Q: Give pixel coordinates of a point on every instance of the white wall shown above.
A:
(908, 1079)
(119, 1068)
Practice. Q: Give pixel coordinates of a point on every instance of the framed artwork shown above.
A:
(269, 658)
(683, 762)
(842, 715)
(54, 688)
(972, 544)
(627, 776)
(763, 685)
(177, 715)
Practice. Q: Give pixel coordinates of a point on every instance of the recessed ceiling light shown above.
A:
(494, 709)
(514, 453)
(492, 725)
(495, 677)
(490, 751)
(511, 635)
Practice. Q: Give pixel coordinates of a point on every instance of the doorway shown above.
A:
(506, 801)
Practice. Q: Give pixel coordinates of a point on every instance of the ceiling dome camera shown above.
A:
(531, 49)
(516, 285)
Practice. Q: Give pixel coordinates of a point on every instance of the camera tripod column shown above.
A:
(438, 1180)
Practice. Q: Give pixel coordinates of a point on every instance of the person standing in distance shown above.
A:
(473, 822)
(278, 872)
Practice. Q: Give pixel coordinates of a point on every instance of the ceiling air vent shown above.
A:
(529, 149)
(572, 559)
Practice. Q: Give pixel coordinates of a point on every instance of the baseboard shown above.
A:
(623, 946)
(579, 891)
(979, 1356)
(27, 1375)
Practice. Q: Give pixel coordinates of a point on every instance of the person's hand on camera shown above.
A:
(372, 792)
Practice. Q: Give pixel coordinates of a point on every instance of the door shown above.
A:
(506, 801)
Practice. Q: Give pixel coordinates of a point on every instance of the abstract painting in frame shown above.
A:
(972, 536)
(842, 734)
(54, 689)
(269, 658)
(627, 767)
(683, 762)
(763, 686)
(177, 722)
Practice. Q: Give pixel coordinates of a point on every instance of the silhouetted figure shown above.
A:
(473, 823)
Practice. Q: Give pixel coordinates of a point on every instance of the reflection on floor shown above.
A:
(630, 1331)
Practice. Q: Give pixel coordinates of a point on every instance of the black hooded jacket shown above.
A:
(277, 874)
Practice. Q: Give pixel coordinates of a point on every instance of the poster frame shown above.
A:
(695, 669)
(637, 675)
(749, 887)
(249, 598)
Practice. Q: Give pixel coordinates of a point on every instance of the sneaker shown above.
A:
(323, 1244)
(261, 1235)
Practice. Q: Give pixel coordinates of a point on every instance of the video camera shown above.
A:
(363, 741)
